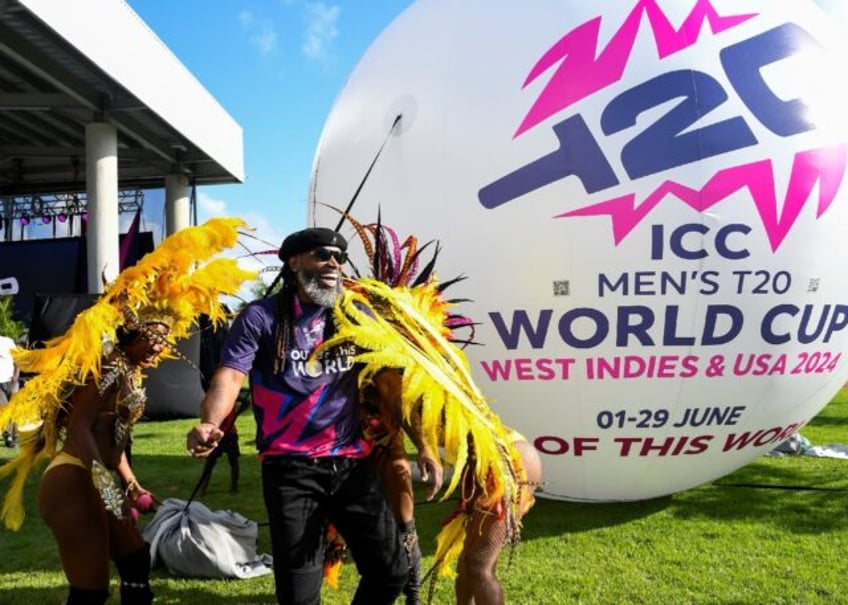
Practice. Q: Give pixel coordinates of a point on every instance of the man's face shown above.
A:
(318, 273)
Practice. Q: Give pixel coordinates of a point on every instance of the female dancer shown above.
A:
(78, 409)
(88, 513)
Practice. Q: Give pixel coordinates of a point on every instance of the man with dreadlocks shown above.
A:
(316, 463)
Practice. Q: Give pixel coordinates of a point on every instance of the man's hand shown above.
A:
(202, 439)
(431, 471)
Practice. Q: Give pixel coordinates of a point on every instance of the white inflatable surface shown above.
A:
(648, 198)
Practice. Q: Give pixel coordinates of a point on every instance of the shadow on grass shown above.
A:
(797, 494)
(834, 415)
(802, 498)
(548, 518)
(555, 518)
(830, 420)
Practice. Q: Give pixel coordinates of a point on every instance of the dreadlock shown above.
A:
(282, 339)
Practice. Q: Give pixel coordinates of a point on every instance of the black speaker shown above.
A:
(53, 314)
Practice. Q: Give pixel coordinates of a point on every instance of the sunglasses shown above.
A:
(325, 254)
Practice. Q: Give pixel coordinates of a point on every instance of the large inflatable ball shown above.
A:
(649, 201)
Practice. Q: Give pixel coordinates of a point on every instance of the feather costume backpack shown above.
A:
(399, 318)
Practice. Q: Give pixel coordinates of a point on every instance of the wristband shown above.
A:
(133, 486)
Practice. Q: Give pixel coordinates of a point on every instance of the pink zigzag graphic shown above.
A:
(580, 74)
(271, 400)
(825, 167)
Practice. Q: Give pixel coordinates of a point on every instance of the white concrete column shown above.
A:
(101, 174)
(177, 205)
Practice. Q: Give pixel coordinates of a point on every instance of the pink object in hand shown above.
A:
(144, 503)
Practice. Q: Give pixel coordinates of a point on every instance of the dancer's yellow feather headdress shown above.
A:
(174, 284)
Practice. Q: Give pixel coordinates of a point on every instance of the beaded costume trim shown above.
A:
(129, 408)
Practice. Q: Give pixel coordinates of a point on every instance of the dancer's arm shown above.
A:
(388, 384)
(85, 404)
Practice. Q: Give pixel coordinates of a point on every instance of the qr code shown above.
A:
(813, 286)
(561, 287)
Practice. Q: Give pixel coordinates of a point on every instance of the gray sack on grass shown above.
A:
(200, 543)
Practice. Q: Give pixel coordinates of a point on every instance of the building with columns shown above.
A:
(92, 101)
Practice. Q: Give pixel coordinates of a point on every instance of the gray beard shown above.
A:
(321, 296)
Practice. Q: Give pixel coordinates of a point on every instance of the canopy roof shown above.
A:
(64, 65)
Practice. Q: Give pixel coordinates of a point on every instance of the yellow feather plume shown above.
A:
(404, 328)
(450, 541)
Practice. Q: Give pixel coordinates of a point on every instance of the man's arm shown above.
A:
(216, 405)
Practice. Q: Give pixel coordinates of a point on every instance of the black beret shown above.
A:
(307, 239)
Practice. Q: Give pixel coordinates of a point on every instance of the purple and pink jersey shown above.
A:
(312, 408)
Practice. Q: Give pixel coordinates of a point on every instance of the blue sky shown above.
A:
(276, 66)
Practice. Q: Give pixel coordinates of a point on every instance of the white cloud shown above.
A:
(261, 32)
(266, 39)
(208, 206)
(321, 30)
(246, 19)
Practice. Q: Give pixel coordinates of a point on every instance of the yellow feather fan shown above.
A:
(170, 284)
(404, 328)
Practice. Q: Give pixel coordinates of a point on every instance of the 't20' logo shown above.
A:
(670, 142)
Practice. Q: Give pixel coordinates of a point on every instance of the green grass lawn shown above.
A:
(716, 544)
